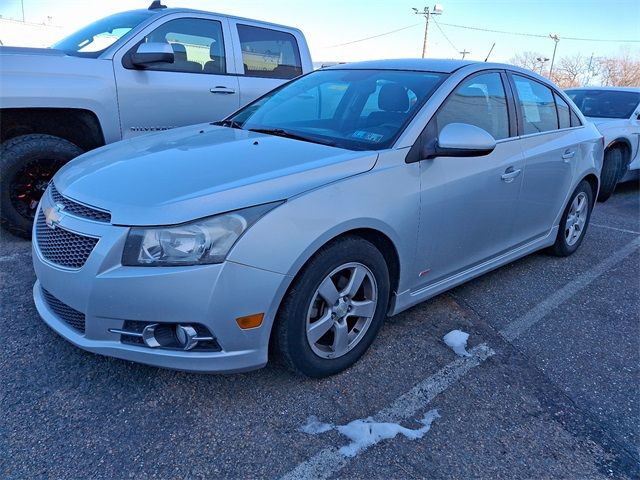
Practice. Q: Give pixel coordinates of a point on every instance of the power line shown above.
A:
(522, 34)
(445, 36)
(375, 36)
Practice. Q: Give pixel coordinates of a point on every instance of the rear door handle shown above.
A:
(221, 90)
(568, 154)
(510, 174)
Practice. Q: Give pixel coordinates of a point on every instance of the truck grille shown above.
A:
(62, 247)
(70, 316)
(78, 209)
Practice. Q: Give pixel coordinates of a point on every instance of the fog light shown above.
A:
(186, 336)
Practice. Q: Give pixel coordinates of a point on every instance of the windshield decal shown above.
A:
(368, 136)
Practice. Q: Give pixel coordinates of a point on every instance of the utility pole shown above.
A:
(427, 12)
(22, 4)
(556, 39)
(464, 53)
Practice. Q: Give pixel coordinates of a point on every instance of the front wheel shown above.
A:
(612, 172)
(27, 164)
(334, 309)
(574, 221)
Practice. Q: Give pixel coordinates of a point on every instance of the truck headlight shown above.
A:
(204, 241)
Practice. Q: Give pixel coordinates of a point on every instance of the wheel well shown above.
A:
(78, 126)
(593, 182)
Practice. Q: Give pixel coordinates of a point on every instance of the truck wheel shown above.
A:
(611, 173)
(27, 164)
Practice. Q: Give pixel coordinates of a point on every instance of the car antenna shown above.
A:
(156, 5)
(488, 54)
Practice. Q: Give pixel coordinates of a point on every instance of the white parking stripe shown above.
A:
(12, 256)
(329, 461)
(537, 313)
(623, 230)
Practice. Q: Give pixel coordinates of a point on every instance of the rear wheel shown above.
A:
(611, 173)
(335, 308)
(27, 164)
(575, 221)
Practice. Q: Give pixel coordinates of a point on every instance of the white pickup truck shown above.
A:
(616, 113)
(127, 74)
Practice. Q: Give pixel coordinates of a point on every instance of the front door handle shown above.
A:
(510, 174)
(221, 90)
(568, 154)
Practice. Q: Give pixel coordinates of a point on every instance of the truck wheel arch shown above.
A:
(78, 126)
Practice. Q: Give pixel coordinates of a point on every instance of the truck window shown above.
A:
(198, 45)
(269, 53)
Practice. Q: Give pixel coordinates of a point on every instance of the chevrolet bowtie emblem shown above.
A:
(53, 215)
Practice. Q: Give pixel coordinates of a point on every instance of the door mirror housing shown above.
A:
(460, 140)
(151, 53)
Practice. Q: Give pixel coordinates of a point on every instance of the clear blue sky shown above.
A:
(331, 22)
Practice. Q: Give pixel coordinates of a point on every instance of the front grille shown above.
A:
(79, 210)
(70, 316)
(62, 247)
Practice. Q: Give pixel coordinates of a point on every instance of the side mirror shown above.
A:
(461, 140)
(151, 53)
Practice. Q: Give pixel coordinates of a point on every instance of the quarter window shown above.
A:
(575, 121)
(479, 101)
(269, 53)
(537, 105)
(563, 112)
(198, 45)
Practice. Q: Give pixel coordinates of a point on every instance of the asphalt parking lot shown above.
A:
(551, 390)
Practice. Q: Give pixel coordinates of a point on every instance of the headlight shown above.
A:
(201, 242)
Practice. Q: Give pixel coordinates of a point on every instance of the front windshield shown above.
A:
(605, 103)
(95, 38)
(353, 109)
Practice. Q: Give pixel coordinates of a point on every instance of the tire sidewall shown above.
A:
(18, 153)
(300, 296)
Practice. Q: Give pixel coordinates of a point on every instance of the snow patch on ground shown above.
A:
(457, 341)
(365, 433)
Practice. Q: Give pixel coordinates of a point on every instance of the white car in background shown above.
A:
(616, 113)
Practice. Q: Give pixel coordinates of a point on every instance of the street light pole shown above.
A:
(542, 61)
(556, 39)
(22, 4)
(427, 12)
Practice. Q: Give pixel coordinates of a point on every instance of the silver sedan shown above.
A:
(307, 217)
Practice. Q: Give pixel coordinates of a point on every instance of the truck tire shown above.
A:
(27, 164)
(611, 173)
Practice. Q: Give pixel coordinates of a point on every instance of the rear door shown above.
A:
(200, 86)
(551, 148)
(267, 57)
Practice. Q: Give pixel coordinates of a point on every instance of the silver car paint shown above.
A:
(449, 219)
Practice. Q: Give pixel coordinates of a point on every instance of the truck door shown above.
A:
(195, 88)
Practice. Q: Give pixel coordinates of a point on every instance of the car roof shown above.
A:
(167, 11)
(612, 89)
(415, 64)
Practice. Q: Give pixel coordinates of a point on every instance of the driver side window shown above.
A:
(479, 101)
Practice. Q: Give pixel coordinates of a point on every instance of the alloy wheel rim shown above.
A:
(576, 219)
(341, 310)
(28, 187)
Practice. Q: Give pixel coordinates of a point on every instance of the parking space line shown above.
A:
(329, 460)
(13, 256)
(520, 326)
(616, 229)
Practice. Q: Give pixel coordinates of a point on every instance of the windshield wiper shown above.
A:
(280, 132)
(228, 123)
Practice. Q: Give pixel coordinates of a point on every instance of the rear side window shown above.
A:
(198, 45)
(269, 53)
(563, 112)
(537, 105)
(575, 121)
(478, 101)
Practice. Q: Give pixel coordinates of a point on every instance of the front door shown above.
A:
(195, 88)
(468, 204)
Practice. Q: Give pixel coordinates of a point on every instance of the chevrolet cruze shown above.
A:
(300, 222)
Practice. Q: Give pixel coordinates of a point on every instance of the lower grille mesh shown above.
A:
(70, 316)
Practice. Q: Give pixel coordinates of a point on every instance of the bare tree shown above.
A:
(528, 60)
(570, 71)
(620, 71)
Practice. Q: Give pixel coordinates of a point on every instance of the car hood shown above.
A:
(193, 172)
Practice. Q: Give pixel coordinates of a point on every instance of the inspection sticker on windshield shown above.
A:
(368, 136)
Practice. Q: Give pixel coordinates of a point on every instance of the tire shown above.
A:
(611, 173)
(566, 242)
(27, 164)
(304, 307)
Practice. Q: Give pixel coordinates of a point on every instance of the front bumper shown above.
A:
(108, 294)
